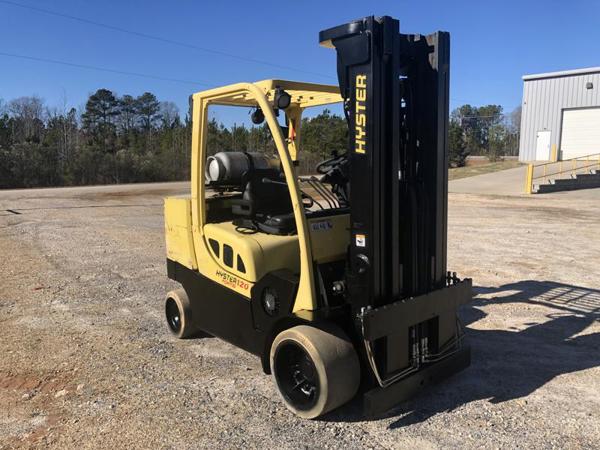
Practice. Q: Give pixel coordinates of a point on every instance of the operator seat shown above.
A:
(265, 204)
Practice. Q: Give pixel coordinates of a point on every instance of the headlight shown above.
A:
(270, 302)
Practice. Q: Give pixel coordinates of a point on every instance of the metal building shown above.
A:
(560, 110)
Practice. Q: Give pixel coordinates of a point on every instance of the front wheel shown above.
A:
(315, 370)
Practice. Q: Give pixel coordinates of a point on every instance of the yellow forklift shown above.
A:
(337, 281)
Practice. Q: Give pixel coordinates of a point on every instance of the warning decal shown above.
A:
(360, 240)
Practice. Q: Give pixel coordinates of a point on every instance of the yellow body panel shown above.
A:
(261, 253)
(178, 231)
(329, 237)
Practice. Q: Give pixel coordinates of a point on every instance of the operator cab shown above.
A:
(251, 227)
(262, 203)
(261, 200)
(256, 214)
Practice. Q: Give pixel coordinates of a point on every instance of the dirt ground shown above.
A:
(87, 361)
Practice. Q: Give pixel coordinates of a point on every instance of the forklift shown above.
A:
(336, 281)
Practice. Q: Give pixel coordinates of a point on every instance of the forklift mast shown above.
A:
(395, 91)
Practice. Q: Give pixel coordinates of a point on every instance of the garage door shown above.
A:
(580, 132)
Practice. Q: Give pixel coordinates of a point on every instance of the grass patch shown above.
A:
(471, 171)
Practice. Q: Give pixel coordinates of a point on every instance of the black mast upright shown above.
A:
(395, 90)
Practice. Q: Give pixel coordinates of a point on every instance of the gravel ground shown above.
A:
(87, 361)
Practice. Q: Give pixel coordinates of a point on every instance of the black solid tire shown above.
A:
(332, 365)
(178, 313)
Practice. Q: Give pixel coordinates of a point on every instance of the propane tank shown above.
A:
(229, 167)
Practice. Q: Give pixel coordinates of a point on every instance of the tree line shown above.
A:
(114, 140)
(483, 131)
(126, 139)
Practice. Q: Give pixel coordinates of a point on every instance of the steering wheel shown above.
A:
(325, 166)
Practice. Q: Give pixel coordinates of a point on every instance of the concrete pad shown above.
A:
(504, 182)
(579, 194)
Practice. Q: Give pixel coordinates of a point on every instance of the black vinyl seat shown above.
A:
(265, 203)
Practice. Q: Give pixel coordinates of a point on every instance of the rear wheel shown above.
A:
(178, 312)
(315, 370)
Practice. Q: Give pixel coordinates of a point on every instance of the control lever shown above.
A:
(269, 181)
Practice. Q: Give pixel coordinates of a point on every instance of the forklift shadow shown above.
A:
(513, 360)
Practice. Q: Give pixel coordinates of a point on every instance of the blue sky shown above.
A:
(492, 44)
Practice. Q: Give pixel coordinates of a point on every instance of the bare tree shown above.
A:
(515, 119)
(169, 113)
(29, 111)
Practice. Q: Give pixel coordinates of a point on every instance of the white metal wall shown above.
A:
(543, 102)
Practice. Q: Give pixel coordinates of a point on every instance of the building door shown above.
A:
(542, 147)
(580, 134)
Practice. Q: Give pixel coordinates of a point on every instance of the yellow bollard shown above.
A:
(554, 153)
(529, 179)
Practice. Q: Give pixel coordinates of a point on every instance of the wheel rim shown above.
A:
(296, 375)
(173, 315)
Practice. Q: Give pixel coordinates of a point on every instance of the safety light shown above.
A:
(257, 116)
(282, 99)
